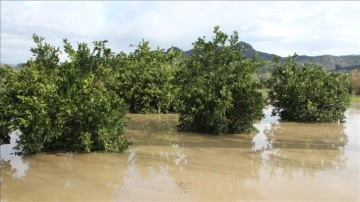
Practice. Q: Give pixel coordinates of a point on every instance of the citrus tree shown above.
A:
(147, 80)
(65, 106)
(308, 93)
(8, 77)
(218, 91)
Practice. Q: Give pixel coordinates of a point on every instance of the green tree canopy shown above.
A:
(219, 94)
(146, 81)
(8, 77)
(64, 106)
(308, 93)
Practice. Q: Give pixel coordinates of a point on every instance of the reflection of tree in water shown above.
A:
(201, 167)
(306, 147)
(217, 173)
(156, 158)
(152, 129)
(222, 174)
(7, 175)
(207, 167)
(65, 177)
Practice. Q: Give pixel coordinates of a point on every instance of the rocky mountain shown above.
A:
(329, 62)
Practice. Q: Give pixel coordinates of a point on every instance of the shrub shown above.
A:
(308, 93)
(8, 76)
(65, 106)
(146, 81)
(218, 91)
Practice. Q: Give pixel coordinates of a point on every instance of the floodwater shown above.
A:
(282, 162)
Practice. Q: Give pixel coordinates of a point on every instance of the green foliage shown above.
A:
(219, 94)
(65, 106)
(355, 77)
(263, 79)
(8, 76)
(147, 79)
(308, 94)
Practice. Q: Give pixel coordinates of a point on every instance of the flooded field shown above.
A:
(281, 162)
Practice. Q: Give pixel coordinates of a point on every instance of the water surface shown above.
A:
(283, 161)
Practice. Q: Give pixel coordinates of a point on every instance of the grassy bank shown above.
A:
(355, 98)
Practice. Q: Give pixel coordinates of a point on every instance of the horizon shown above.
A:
(62, 56)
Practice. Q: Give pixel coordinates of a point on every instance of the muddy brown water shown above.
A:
(281, 162)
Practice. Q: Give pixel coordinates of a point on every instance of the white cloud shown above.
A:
(71, 18)
(312, 28)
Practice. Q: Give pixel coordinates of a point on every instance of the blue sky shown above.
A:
(283, 28)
